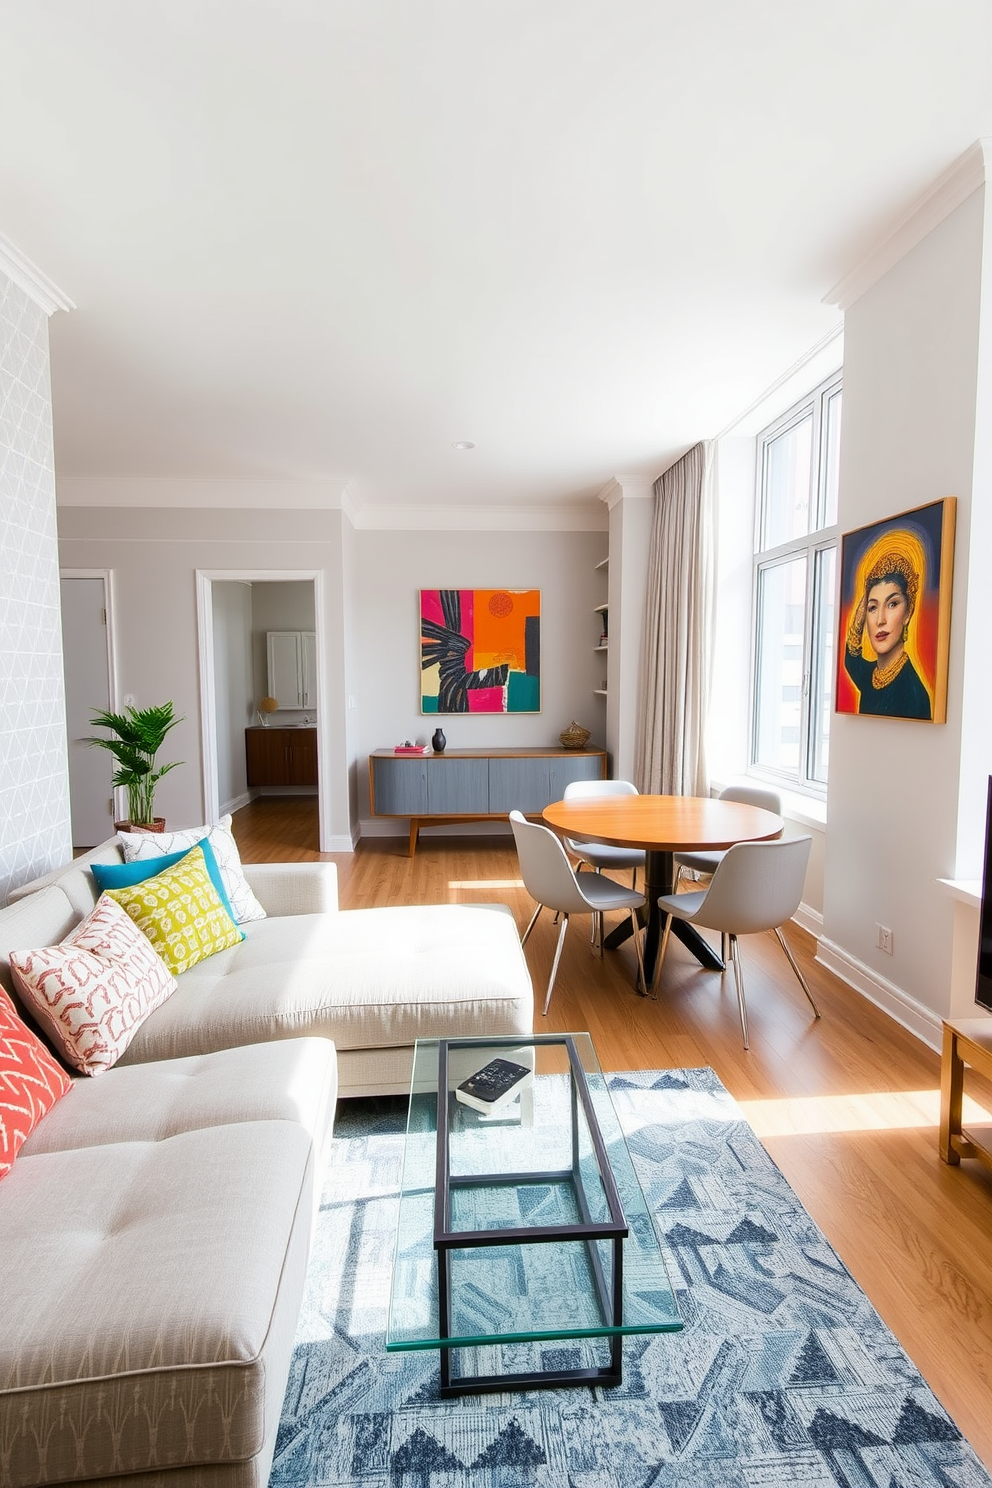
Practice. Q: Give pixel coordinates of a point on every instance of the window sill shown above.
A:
(808, 811)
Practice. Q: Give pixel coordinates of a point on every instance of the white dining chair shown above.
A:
(600, 855)
(550, 879)
(706, 862)
(756, 886)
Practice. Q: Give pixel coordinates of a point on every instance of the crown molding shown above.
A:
(27, 276)
(958, 182)
(561, 517)
(166, 491)
(351, 502)
(626, 487)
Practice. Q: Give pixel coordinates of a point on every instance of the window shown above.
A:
(794, 571)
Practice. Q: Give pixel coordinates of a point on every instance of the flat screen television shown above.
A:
(983, 980)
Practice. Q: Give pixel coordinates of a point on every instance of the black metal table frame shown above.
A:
(589, 1231)
(659, 876)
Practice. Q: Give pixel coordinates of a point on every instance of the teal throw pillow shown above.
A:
(126, 875)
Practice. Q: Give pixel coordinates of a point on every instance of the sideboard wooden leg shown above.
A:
(951, 1096)
(414, 833)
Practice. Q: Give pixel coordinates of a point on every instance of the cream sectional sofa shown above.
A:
(155, 1227)
(372, 980)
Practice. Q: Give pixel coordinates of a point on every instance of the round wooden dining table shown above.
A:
(663, 826)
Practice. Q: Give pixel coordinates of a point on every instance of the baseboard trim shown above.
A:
(236, 803)
(810, 920)
(905, 1010)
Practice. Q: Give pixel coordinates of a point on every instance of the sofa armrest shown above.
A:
(294, 888)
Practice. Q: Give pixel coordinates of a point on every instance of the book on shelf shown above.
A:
(411, 749)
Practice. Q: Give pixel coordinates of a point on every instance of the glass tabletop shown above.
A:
(534, 1207)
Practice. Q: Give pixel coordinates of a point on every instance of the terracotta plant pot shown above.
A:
(158, 825)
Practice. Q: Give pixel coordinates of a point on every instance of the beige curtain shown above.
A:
(675, 657)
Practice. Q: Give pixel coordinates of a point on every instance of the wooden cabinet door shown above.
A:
(399, 785)
(301, 757)
(457, 787)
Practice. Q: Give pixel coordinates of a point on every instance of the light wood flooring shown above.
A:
(846, 1106)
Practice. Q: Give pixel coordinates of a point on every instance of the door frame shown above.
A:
(106, 575)
(205, 580)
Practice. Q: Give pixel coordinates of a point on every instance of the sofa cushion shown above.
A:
(365, 978)
(293, 1080)
(30, 1083)
(140, 845)
(181, 912)
(94, 989)
(129, 1348)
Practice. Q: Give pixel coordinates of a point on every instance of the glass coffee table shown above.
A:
(522, 1227)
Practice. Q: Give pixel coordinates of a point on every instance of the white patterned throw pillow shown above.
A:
(141, 846)
(92, 992)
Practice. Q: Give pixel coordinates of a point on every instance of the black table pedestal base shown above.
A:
(659, 874)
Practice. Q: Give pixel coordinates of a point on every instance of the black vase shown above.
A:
(439, 741)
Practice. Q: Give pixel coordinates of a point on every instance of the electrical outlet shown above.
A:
(129, 700)
(883, 939)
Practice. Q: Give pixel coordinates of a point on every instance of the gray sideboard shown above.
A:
(465, 785)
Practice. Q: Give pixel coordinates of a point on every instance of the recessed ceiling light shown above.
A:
(463, 444)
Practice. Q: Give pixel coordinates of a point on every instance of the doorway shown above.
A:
(246, 623)
(87, 658)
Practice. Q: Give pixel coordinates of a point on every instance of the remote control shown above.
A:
(493, 1086)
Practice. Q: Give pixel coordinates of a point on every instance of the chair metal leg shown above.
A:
(642, 981)
(656, 982)
(724, 948)
(554, 964)
(533, 922)
(799, 976)
(739, 979)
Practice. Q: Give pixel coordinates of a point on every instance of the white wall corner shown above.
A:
(27, 276)
(352, 502)
(912, 1015)
(955, 185)
(621, 487)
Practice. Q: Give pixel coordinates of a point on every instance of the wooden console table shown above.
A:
(966, 1041)
(467, 785)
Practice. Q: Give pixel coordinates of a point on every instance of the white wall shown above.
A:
(631, 520)
(155, 553)
(35, 835)
(896, 788)
(390, 570)
(233, 690)
(371, 583)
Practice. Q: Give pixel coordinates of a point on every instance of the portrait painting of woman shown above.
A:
(894, 613)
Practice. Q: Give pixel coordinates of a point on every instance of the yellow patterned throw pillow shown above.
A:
(181, 913)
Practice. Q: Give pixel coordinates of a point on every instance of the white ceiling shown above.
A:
(320, 241)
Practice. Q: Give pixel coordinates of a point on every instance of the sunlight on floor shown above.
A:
(485, 883)
(876, 1111)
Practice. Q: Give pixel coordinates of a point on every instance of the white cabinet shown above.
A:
(292, 661)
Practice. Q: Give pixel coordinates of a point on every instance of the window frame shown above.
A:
(819, 538)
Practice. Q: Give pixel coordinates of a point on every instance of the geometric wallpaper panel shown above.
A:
(35, 833)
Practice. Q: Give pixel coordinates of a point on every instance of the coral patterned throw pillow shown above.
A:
(92, 992)
(30, 1083)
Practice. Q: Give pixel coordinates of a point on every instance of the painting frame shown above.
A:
(480, 651)
(894, 593)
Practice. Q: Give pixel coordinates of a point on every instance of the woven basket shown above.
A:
(575, 736)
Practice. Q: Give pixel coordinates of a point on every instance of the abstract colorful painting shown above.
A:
(894, 615)
(480, 650)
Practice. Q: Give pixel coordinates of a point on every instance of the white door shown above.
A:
(309, 669)
(87, 691)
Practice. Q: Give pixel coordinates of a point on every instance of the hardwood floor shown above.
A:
(846, 1106)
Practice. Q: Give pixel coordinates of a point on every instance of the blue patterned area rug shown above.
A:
(784, 1374)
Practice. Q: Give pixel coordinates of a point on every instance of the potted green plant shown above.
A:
(136, 736)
